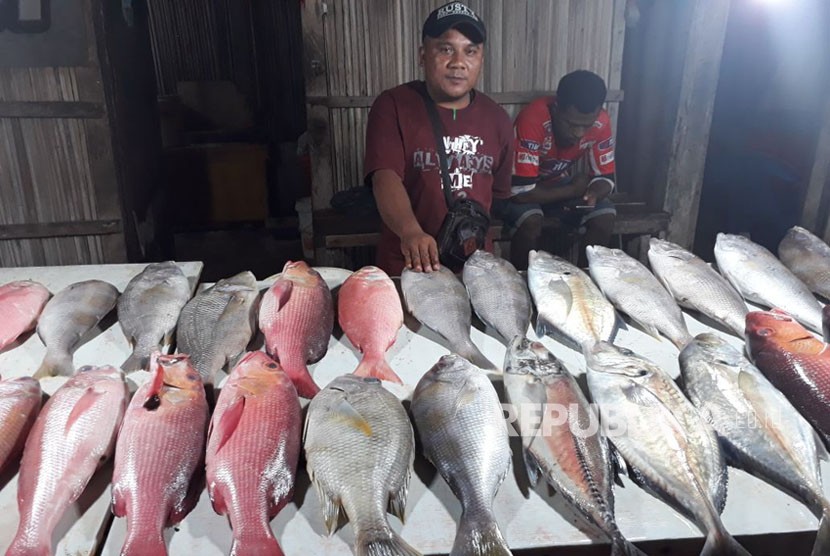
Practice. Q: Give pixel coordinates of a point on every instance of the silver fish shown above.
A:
(808, 257)
(673, 452)
(763, 279)
(359, 449)
(568, 302)
(149, 309)
(572, 455)
(761, 431)
(636, 292)
(462, 429)
(498, 293)
(215, 327)
(68, 316)
(696, 285)
(439, 301)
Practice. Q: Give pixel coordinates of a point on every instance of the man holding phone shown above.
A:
(553, 133)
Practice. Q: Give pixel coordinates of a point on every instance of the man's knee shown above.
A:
(530, 228)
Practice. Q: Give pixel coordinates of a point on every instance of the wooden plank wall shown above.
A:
(358, 48)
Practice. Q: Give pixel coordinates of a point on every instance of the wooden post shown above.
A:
(819, 178)
(687, 158)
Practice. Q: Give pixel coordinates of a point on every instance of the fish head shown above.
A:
(353, 384)
(526, 357)
(710, 347)
(734, 246)
(301, 274)
(542, 261)
(482, 261)
(244, 281)
(370, 274)
(256, 371)
(450, 367)
(20, 387)
(667, 252)
(612, 259)
(778, 330)
(176, 371)
(608, 359)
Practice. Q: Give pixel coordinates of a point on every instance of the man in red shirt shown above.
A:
(552, 134)
(401, 163)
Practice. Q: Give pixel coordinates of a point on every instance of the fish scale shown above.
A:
(696, 285)
(297, 318)
(463, 433)
(73, 435)
(253, 450)
(20, 400)
(159, 451)
(359, 448)
(808, 257)
(217, 324)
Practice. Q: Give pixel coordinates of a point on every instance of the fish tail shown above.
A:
(138, 361)
(472, 354)
(144, 541)
(299, 375)
(479, 535)
(264, 543)
(720, 543)
(377, 367)
(822, 544)
(55, 363)
(621, 546)
(382, 542)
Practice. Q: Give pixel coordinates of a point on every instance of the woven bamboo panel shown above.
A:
(38, 84)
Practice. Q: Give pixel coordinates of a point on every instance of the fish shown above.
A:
(297, 318)
(370, 313)
(670, 448)
(629, 285)
(149, 309)
(561, 439)
(439, 301)
(794, 361)
(498, 293)
(216, 326)
(20, 304)
(160, 453)
(359, 449)
(694, 284)
(568, 303)
(808, 257)
(252, 452)
(762, 432)
(763, 279)
(67, 317)
(72, 436)
(459, 420)
(825, 322)
(20, 400)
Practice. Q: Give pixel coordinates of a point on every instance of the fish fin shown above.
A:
(83, 404)
(350, 416)
(397, 500)
(650, 329)
(281, 290)
(217, 500)
(156, 383)
(228, 422)
(262, 543)
(305, 385)
(191, 497)
(119, 502)
(822, 544)
(378, 368)
(640, 396)
(561, 288)
(620, 546)
(479, 535)
(543, 327)
(534, 470)
(373, 542)
(618, 466)
(467, 394)
(721, 543)
(331, 507)
(55, 364)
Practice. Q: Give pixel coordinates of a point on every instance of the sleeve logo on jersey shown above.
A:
(527, 158)
(529, 145)
(606, 158)
(607, 144)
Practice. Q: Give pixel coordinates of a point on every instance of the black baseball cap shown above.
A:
(455, 15)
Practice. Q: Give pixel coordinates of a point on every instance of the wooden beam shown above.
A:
(687, 159)
(819, 177)
(515, 97)
(44, 109)
(60, 229)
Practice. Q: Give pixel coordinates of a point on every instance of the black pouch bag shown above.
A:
(464, 229)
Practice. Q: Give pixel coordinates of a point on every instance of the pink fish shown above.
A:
(252, 453)
(297, 318)
(158, 459)
(19, 405)
(74, 433)
(20, 304)
(370, 313)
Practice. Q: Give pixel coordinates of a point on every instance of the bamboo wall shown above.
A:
(358, 48)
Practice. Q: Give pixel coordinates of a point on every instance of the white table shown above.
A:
(82, 528)
(540, 520)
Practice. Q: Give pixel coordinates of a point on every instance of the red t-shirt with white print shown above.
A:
(478, 140)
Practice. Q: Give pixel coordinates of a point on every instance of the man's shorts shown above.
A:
(514, 214)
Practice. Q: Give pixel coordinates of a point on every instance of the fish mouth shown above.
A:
(526, 357)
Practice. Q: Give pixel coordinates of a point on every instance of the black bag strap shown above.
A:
(438, 131)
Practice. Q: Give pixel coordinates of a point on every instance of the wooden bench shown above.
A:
(633, 226)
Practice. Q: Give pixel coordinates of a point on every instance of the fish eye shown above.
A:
(192, 376)
(271, 365)
(764, 332)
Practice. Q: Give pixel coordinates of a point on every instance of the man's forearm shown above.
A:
(550, 192)
(393, 204)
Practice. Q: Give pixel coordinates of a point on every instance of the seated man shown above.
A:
(552, 134)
